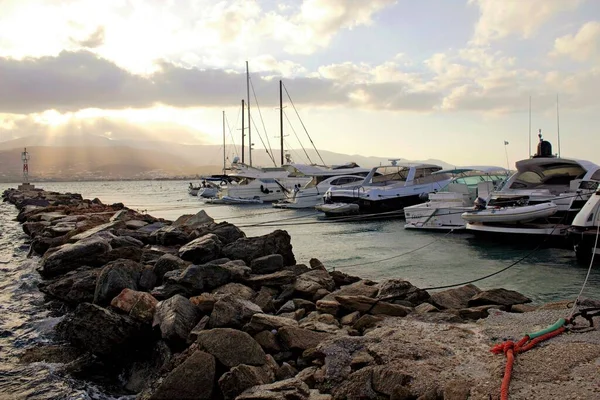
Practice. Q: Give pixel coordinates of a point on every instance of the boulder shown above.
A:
(138, 305)
(205, 302)
(328, 306)
(74, 287)
(267, 264)
(170, 236)
(227, 233)
(103, 332)
(243, 377)
(342, 279)
(176, 317)
(191, 222)
(33, 229)
(399, 289)
(308, 283)
(230, 311)
(260, 322)
(72, 256)
(192, 379)
(454, 298)
(502, 297)
(196, 279)
(268, 341)
(151, 228)
(264, 299)
(166, 263)
(276, 279)
(125, 241)
(128, 252)
(200, 326)
(201, 250)
(237, 268)
(294, 338)
(115, 277)
(368, 305)
(360, 288)
(235, 289)
(100, 228)
(248, 249)
(232, 347)
(316, 321)
(135, 224)
(289, 389)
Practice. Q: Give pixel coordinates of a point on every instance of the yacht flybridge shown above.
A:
(541, 198)
(386, 189)
(445, 206)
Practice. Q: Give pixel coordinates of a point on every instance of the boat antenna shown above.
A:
(243, 133)
(530, 126)
(249, 118)
(506, 153)
(557, 125)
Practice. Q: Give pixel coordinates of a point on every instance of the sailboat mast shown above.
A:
(243, 133)
(249, 118)
(557, 125)
(281, 118)
(224, 152)
(529, 126)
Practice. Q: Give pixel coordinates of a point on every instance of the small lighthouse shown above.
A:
(25, 158)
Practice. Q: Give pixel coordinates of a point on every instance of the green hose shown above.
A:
(549, 329)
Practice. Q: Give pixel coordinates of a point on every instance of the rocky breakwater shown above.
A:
(194, 309)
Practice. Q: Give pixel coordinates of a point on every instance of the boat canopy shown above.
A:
(482, 169)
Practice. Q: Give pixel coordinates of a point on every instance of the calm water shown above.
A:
(353, 247)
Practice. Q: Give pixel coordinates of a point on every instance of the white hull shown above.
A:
(439, 218)
(542, 230)
(338, 208)
(511, 214)
(233, 200)
(258, 189)
(208, 192)
(193, 191)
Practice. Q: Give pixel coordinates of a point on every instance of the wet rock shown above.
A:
(289, 389)
(74, 287)
(176, 317)
(294, 338)
(237, 290)
(103, 332)
(342, 279)
(268, 341)
(243, 377)
(201, 250)
(500, 296)
(51, 354)
(192, 379)
(260, 322)
(138, 305)
(71, 256)
(116, 276)
(308, 283)
(166, 263)
(454, 298)
(33, 229)
(41, 244)
(248, 249)
(232, 347)
(230, 311)
(267, 264)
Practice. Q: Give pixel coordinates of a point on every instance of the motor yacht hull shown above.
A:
(438, 218)
(505, 215)
(207, 192)
(233, 200)
(367, 206)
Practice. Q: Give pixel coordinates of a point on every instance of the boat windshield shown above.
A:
(471, 181)
(391, 174)
(555, 177)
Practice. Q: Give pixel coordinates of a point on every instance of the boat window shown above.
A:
(313, 182)
(555, 177)
(391, 174)
(596, 175)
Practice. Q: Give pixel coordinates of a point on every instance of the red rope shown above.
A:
(510, 349)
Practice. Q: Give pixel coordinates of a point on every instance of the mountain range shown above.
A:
(95, 157)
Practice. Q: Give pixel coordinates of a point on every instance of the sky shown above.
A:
(442, 79)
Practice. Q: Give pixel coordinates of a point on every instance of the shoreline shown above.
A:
(163, 302)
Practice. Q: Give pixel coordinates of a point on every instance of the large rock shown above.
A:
(74, 287)
(260, 322)
(116, 276)
(170, 236)
(399, 289)
(248, 249)
(166, 263)
(230, 311)
(196, 279)
(72, 256)
(342, 279)
(454, 298)
(227, 233)
(201, 250)
(103, 332)
(100, 228)
(500, 296)
(276, 279)
(232, 347)
(191, 222)
(310, 282)
(237, 290)
(138, 305)
(35, 228)
(192, 379)
(267, 264)
(360, 288)
(294, 338)
(369, 305)
(176, 317)
(243, 377)
(289, 389)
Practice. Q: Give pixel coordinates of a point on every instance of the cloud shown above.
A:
(583, 46)
(95, 39)
(500, 19)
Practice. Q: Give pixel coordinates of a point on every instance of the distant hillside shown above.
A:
(97, 157)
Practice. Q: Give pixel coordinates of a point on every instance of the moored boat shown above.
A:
(584, 230)
(514, 214)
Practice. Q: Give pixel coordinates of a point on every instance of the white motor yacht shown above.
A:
(563, 185)
(387, 189)
(584, 229)
(445, 206)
